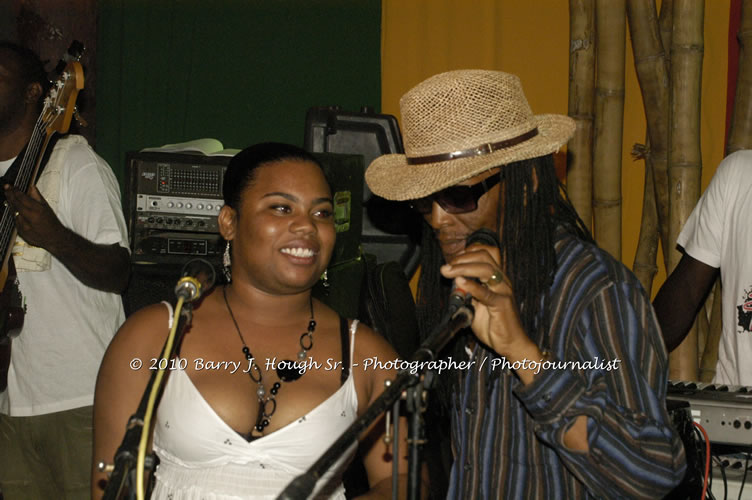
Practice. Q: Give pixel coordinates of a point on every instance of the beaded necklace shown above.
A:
(286, 369)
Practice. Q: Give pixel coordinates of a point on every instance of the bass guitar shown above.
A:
(58, 109)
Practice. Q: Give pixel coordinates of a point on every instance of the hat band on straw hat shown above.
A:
(476, 151)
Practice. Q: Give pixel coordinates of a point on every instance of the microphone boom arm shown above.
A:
(302, 486)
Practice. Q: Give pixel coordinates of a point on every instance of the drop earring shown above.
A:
(226, 263)
(325, 280)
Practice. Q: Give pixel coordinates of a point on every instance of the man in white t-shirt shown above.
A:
(717, 237)
(72, 263)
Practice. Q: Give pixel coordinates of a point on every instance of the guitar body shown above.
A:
(11, 320)
(59, 106)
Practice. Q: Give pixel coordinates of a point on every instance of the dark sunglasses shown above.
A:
(456, 199)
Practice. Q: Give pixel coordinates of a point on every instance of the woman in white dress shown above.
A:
(233, 423)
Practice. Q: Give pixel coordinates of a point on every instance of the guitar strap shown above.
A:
(10, 176)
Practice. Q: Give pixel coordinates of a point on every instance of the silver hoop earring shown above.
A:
(226, 263)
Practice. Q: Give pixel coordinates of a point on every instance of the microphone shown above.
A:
(483, 236)
(459, 297)
(196, 277)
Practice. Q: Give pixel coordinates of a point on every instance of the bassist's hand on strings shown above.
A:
(102, 266)
(36, 223)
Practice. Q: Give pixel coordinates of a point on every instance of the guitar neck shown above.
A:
(32, 158)
(28, 169)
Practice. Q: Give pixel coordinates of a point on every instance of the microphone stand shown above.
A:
(302, 486)
(417, 402)
(122, 476)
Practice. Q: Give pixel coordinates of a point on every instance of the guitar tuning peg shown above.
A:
(79, 119)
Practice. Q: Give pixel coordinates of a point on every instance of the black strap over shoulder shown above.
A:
(344, 332)
(10, 175)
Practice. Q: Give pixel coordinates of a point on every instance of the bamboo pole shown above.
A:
(653, 77)
(581, 89)
(660, 169)
(666, 26)
(740, 132)
(702, 325)
(710, 353)
(652, 72)
(610, 41)
(708, 346)
(685, 161)
(644, 266)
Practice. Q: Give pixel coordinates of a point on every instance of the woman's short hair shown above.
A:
(241, 170)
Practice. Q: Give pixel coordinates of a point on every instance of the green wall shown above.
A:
(241, 71)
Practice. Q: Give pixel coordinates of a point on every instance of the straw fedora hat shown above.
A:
(461, 123)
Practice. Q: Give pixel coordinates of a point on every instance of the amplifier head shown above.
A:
(172, 202)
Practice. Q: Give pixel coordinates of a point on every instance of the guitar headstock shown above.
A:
(60, 103)
(74, 53)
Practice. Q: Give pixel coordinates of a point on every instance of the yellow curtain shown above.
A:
(531, 39)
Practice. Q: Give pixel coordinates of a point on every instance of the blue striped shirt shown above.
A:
(608, 362)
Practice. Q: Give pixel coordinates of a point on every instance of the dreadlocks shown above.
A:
(529, 213)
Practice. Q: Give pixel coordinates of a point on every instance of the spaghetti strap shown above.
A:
(348, 346)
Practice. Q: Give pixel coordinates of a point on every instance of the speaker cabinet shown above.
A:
(391, 231)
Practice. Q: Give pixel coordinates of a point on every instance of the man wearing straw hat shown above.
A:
(566, 395)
